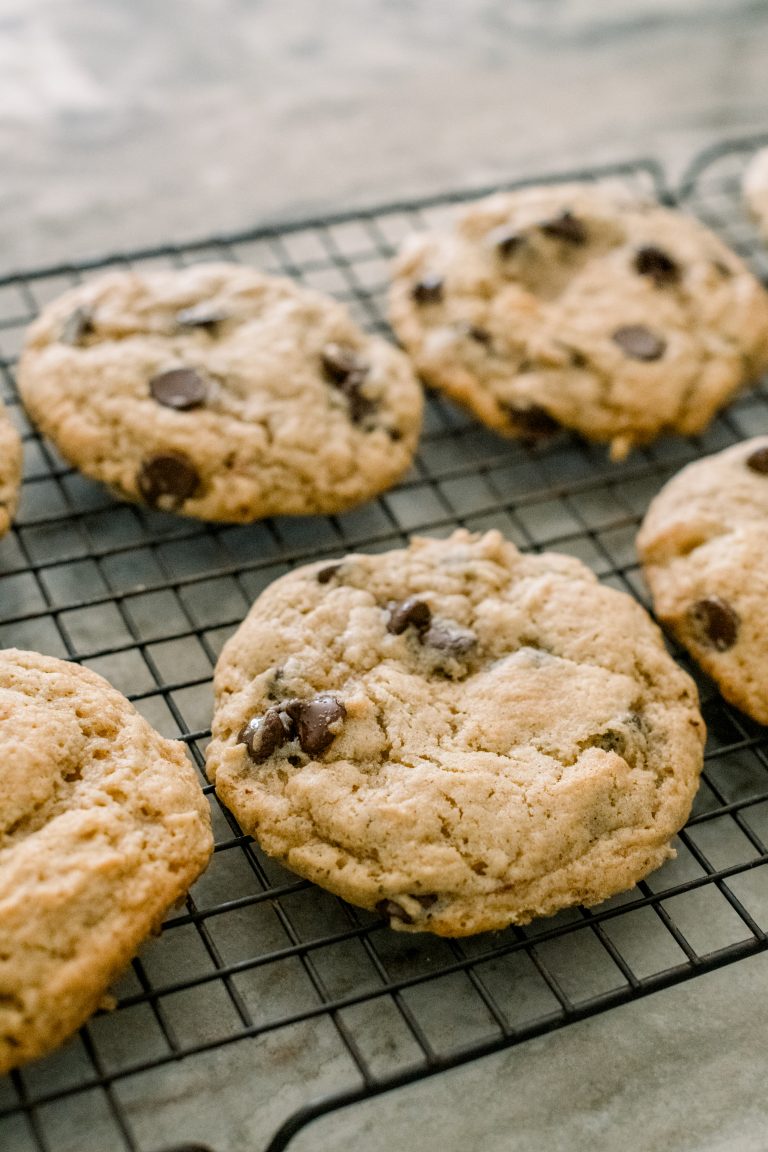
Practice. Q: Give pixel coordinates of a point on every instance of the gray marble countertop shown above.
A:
(135, 123)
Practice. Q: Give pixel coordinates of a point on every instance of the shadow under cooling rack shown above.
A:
(266, 1001)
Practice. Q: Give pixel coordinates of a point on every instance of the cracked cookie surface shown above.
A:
(221, 393)
(10, 470)
(103, 826)
(583, 307)
(702, 545)
(456, 734)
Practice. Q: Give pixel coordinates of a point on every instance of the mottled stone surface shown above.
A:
(134, 123)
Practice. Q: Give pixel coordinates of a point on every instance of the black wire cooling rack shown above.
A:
(267, 1002)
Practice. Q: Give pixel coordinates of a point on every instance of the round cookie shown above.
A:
(580, 306)
(703, 544)
(10, 470)
(457, 735)
(103, 826)
(755, 188)
(220, 393)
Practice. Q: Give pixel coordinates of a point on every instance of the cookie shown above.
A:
(456, 735)
(580, 306)
(103, 826)
(10, 470)
(755, 188)
(702, 545)
(220, 393)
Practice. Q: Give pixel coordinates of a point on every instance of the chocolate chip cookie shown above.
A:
(103, 826)
(10, 470)
(456, 735)
(580, 306)
(220, 393)
(756, 188)
(702, 544)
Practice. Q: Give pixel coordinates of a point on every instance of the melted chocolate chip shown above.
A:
(325, 575)
(360, 407)
(428, 290)
(412, 612)
(714, 623)
(265, 734)
(340, 362)
(201, 316)
(450, 638)
(474, 332)
(566, 227)
(639, 342)
(346, 370)
(531, 422)
(315, 721)
(168, 478)
(393, 911)
(508, 242)
(658, 265)
(757, 461)
(180, 388)
(77, 327)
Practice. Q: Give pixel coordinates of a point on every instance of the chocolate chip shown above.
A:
(758, 460)
(639, 342)
(77, 326)
(315, 721)
(201, 316)
(168, 478)
(346, 370)
(714, 623)
(180, 388)
(566, 227)
(427, 900)
(360, 407)
(654, 262)
(507, 242)
(474, 332)
(531, 422)
(393, 911)
(409, 612)
(265, 734)
(340, 362)
(325, 575)
(428, 290)
(451, 639)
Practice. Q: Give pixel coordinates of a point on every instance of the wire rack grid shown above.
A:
(264, 992)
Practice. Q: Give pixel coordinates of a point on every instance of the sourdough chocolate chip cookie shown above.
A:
(103, 826)
(580, 306)
(221, 393)
(456, 735)
(10, 470)
(756, 188)
(703, 545)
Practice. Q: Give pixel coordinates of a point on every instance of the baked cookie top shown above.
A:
(221, 393)
(10, 470)
(702, 544)
(582, 306)
(103, 825)
(755, 188)
(456, 734)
